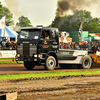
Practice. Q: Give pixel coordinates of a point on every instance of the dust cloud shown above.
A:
(13, 7)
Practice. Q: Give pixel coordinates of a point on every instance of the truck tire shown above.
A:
(50, 63)
(86, 62)
(29, 65)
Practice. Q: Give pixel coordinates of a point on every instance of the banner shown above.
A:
(7, 53)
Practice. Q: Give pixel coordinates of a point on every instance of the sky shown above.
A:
(40, 12)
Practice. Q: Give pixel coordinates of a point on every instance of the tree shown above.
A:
(6, 12)
(24, 22)
(73, 22)
(93, 26)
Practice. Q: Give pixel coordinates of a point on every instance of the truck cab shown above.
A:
(35, 43)
(40, 46)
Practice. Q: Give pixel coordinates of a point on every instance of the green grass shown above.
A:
(49, 74)
(5, 58)
(8, 61)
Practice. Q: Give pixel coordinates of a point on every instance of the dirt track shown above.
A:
(70, 88)
(19, 68)
(58, 88)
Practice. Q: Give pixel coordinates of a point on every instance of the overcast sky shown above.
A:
(40, 12)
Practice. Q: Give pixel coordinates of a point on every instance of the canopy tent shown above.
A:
(8, 33)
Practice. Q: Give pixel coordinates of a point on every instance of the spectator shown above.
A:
(98, 45)
(63, 45)
(89, 46)
(7, 45)
(3, 44)
(14, 45)
(72, 48)
(11, 46)
(94, 49)
(68, 46)
(98, 48)
(77, 47)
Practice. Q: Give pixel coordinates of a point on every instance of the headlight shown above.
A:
(18, 55)
(39, 55)
(35, 55)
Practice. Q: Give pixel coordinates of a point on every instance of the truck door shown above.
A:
(46, 40)
(55, 41)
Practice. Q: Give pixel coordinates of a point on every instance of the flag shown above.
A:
(80, 32)
(2, 27)
(2, 23)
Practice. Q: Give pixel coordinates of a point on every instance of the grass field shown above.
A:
(49, 74)
(8, 61)
(36, 75)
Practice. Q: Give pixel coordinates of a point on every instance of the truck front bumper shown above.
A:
(34, 59)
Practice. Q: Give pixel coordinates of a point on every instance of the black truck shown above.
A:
(40, 46)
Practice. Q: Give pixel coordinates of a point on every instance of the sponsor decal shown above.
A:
(55, 47)
(54, 42)
(65, 53)
(26, 42)
(45, 42)
(74, 35)
(45, 46)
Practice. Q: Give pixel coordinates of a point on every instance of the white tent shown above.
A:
(8, 33)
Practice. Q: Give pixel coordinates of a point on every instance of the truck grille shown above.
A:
(20, 49)
(27, 50)
(33, 50)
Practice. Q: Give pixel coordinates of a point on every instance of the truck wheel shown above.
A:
(29, 65)
(50, 63)
(86, 63)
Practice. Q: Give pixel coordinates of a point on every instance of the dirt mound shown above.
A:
(70, 88)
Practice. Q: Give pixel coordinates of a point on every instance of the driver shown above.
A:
(46, 35)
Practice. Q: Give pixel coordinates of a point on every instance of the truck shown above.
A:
(39, 45)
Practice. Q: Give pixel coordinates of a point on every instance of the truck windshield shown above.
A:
(29, 34)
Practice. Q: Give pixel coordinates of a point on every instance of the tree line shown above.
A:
(73, 22)
(67, 23)
(23, 21)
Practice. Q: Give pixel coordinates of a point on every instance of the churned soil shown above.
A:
(58, 88)
(53, 88)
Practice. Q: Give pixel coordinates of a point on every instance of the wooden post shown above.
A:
(9, 96)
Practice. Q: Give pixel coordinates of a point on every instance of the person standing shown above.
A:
(7, 45)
